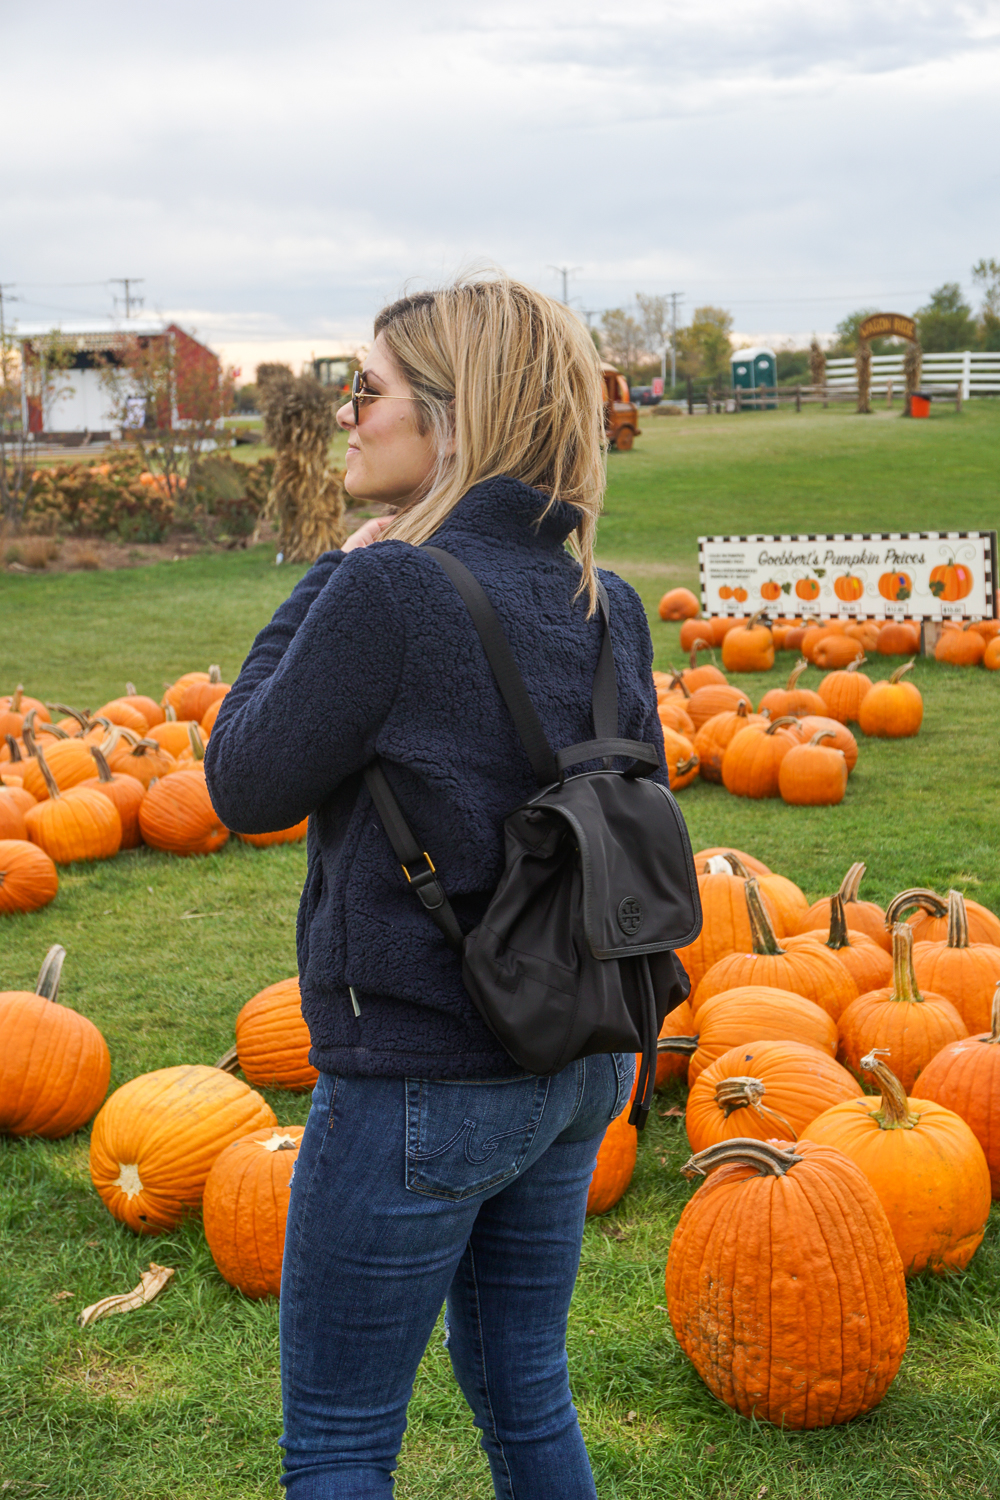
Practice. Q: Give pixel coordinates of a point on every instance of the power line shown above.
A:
(565, 272)
(128, 282)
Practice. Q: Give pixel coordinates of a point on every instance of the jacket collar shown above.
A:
(509, 510)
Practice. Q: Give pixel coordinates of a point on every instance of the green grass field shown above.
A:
(181, 1399)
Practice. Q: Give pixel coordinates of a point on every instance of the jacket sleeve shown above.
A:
(310, 698)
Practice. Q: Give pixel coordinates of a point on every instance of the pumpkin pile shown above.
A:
(83, 785)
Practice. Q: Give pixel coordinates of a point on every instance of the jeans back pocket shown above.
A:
(463, 1138)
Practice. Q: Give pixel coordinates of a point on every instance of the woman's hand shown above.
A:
(368, 533)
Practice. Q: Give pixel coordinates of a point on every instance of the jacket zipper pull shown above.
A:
(354, 1000)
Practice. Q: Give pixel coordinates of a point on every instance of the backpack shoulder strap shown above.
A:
(424, 882)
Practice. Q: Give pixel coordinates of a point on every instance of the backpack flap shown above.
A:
(639, 889)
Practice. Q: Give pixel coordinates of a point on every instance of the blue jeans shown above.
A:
(411, 1192)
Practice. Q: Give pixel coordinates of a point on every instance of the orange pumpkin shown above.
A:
(925, 1164)
(293, 835)
(80, 824)
(791, 699)
(754, 865)
(797, 1081)
(758, 1013)
(965, 1076)
(12, 825)
(867, 962)
(807, 588)
(813, 774)
(966, 973)
(951, 581)
(272, 1039)
(155, 1141)
(54, 1063)
(148, 707)
(991, 656)
(860, 916)
(898, 638)
(615, 1163)
(124, 791)
(679, 604)
(802, 966)
(749, 649)
(959, 646)
(832, 652)
(245, 1207)
(177, 815)
(930, 922)
(913, 1026)
(175, 692)
(725, 924)
(693, 631)
(174, 735)
(838, 736)
(198, 697)
(752, 759)
(706, 702)
(895, 586)
(694, 677)
(671, 1058)
(144, 760)
(715, 734)
(68, 763)
(848, 587)
(892, 710)
(804, 1219)
(28, 877)
(843, 692)
(122, 711)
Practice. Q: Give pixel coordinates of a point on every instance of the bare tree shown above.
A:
(655, 314)
(622, 338)
(41, 383)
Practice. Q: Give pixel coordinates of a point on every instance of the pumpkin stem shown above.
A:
(904, 981)
(229, 1062)
(717, 865)
(131, 690)
(895, 1113)
(929, 901)
(14, 748)
(796, 672)
(70, 713)
(778, 723)
(49, 779)
(15, 699)
(215, 674)
(736, 865)
(685, 1046)
(50, 973)
(198, 744)
(746, 1093)
(994, 1036)
(677, 683)
(839, 936)
(28, 733)
(171, 713)
(699, 645)
(52, 730)
(103, 769)
(859, 661)
(768, 1157)
(958, 921)
(852, 880)
(906, 667)
(823, 734)
(762, 935)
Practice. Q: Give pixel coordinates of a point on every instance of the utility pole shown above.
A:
(565, 272)
(673, 338)
(128, 282)
(4, 289)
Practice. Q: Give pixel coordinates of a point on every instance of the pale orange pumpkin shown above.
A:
(245, 1207)
(54, 1063)
(28, 877)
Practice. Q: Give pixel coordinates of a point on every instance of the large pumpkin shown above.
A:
(898, 638)
(28, 877)
(713, 737)
(245, 1207)
(813, 774)
(802, 966)
(767, 1089)
(756, 1013)
(834, 652)
(924, 1163)
(80, 824)
(124, 791)
(679, 604)
(837, 735)
(54, 1063)
(959, 646)
(272, 1039)
(753, 864)
(860, 916)
(892, 710)
(154, 1142)
(752, 759)
(965, 1077)
(931, 920)
(725, 926)
(867, 962)
(791, 699)
(784, 1285)
(144, 760)
(843, 692)
(177, 815)
(714, 698)
(615, 1163)
(911, 1025)
(750, 648)
(966, 973)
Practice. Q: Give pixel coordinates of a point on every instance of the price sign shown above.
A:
(881, 575)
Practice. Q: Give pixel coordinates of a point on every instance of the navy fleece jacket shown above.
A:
(374, 654)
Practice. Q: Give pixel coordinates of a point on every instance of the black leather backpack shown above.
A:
(575, 953)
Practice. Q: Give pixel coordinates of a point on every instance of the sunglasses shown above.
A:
(360, 394)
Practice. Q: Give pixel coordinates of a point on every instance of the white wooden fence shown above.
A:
(978, 373)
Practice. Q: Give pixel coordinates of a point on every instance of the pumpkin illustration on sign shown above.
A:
(771, 590)
(848, 587)
(895, 586)
(807, 588)
(951, 581)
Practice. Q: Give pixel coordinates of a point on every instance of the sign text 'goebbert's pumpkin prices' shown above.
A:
(910, 575)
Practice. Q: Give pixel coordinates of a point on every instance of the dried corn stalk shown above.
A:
(863, 364)
(150, 1285)
(913, 358)
(817, 363)
(307, 496)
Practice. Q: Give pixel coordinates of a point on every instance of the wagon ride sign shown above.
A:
(910, 575)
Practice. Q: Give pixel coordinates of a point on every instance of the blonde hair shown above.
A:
(510, 383)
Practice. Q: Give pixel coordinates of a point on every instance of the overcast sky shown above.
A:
(277, 171)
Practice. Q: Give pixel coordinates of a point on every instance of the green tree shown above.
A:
(987, 274)
(946, 323)
(622, 340)
(704, 346)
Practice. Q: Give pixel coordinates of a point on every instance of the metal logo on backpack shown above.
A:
(630, 915)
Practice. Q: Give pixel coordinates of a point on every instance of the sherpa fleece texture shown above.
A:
(374, 654)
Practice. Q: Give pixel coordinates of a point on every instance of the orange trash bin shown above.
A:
(920, 404)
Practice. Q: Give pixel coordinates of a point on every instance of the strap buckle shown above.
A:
(430, 869)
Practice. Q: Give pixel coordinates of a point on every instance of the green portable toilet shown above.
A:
(752, 368)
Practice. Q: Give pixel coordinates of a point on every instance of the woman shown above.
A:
(432, 1169)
